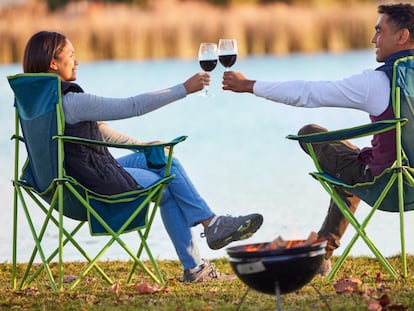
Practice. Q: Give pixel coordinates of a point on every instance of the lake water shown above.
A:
(236, 153)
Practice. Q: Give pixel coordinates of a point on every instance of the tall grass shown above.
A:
(172, 28)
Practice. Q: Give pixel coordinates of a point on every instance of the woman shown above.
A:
(181, 206)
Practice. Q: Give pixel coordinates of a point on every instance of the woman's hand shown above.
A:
(237, 82)
(197, 82)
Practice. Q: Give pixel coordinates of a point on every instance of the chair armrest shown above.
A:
(353, 132)
(154, 153)
(138, 147)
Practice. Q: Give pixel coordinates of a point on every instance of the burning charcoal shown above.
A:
(277, 243)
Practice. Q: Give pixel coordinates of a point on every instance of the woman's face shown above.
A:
(65, 63)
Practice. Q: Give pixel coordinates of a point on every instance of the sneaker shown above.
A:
(201, 273)
(227, 229)
(325, 268)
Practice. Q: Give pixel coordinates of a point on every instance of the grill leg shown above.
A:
(277, 290)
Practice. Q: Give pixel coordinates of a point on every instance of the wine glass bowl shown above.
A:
(207, 58)
(227, 52)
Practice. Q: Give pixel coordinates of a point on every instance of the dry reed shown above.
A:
(171, 28)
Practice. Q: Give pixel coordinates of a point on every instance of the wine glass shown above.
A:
(207, 57)
(227, 52)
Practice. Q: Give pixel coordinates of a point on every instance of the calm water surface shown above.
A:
(236, 153)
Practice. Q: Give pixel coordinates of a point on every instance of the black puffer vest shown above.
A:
(93, 166)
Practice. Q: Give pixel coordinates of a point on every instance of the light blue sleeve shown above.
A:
(80, 107)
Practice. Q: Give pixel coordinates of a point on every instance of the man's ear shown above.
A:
(403, 36)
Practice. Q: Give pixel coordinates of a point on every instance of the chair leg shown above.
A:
(115, 236)
(38, 248)
(143, 244)
(69, 237)
(93, 262)
(14, 247)
(340, 261)
(402, 227)
(359, 231)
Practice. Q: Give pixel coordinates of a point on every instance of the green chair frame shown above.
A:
(56, 204)
(393, 190)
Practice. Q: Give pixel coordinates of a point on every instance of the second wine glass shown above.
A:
(227, 52)
(207, 57)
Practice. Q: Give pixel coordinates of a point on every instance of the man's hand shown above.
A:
(237, 82)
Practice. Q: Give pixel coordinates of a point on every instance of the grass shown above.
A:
(227, 294)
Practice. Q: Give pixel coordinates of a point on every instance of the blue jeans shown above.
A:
(181, 205)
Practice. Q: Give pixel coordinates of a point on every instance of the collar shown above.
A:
(393, 57)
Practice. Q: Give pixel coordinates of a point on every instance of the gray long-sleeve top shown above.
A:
(79, 107)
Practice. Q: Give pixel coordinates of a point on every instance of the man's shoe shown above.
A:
(201, 273)
(227, 229)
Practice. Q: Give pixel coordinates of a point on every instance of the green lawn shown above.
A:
(367, 287)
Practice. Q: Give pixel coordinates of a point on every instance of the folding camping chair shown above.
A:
(393, 190)
(40, 118)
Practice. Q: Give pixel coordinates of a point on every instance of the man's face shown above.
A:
(385, 38)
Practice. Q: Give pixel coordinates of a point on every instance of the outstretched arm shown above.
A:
(81, 107)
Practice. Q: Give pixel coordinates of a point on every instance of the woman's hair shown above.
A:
(401, 15)
(41, 48)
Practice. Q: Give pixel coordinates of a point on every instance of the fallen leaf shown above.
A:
(90, 299)
(374, 306)
(384, 300)
(115, 288)
(378, 278)
(69, 278)
(145, 288)
(347, 285)
(380, 283)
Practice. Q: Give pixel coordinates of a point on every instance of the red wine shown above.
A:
(228, 60)
(208, 65)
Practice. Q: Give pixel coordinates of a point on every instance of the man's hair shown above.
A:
(400, 15)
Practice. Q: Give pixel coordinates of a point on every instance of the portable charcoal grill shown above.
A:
(277, 271)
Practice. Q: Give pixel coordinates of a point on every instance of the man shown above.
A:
(368, 91)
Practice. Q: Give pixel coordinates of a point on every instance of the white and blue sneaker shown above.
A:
(204, 272)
